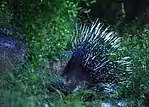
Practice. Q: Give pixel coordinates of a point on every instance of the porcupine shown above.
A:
(90, 63)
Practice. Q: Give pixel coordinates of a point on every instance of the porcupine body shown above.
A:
(92, 46)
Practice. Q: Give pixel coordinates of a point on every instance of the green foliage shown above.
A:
(23, 88)
(44, 25)
(135, 81)
(13, 99)
(72, 100)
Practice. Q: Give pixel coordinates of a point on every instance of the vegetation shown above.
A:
(135, 81)
(45, 26)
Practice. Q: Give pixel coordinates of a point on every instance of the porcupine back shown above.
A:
(92, 45)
